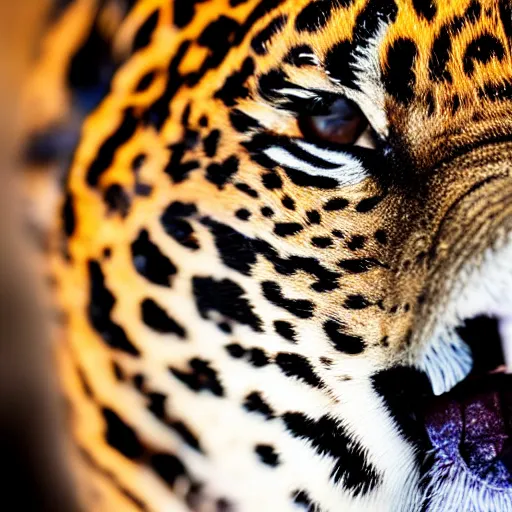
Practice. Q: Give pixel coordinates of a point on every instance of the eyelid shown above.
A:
(321, 104)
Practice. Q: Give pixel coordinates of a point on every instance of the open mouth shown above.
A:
(490, 341)
(470, 427)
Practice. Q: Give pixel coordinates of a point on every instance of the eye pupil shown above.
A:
(342, 124)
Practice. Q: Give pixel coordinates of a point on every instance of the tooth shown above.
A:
(505, 326)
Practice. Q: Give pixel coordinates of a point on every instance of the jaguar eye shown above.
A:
(343, 123)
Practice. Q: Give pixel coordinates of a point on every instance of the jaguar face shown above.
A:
(289, 228)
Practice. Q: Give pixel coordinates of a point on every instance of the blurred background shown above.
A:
(56, 60)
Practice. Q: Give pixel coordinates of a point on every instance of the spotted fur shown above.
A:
(241, 302)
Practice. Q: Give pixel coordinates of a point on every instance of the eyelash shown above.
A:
(319, 105)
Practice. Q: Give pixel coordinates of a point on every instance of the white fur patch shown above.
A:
(350, 171)
(299, 93)
(328, 155)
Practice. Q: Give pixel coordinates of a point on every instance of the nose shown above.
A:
(485, 439)
(470, 431)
